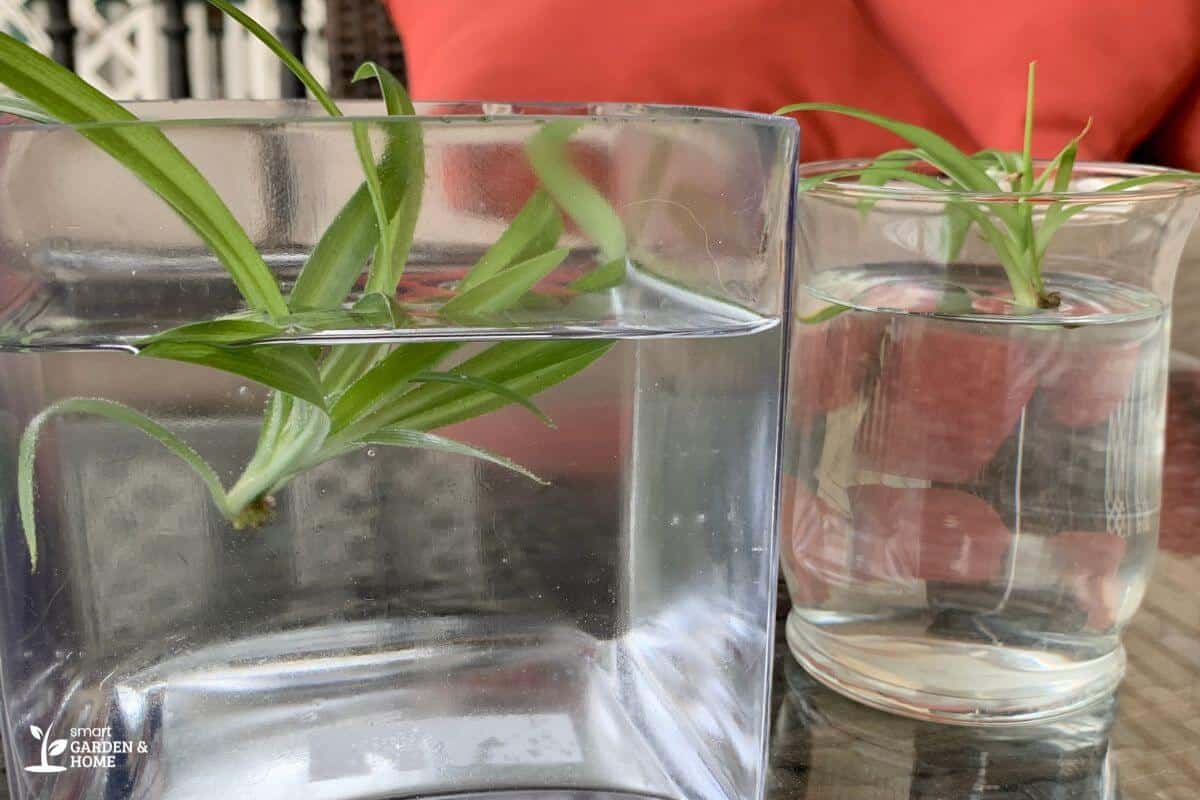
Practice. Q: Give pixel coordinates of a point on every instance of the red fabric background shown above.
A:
(956, 67)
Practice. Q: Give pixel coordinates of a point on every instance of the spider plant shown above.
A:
(1020, 233)
(328, 401)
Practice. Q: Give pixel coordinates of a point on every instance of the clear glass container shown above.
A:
(404, 621)
(972, 491)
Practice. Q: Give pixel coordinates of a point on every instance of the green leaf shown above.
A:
(340, 255)
(345, 364)
(1024, 236)
(527, 227)
(823, 315)
(963, 171)
(498, 363)
(217, 332)
(289, 60)
(1003, 160)
(382, 385)
(1009, 250)
(881, 174)
(377, 306)
(936, 150)
(382, 265)
(1062, 165)
(527, 370)
(382, 317)
(1144, 180)
(292, 436)
(118, 413)
(382, 262)
(605, 276)
(370, 311)
(399, 437)
(395, 96)
(503, 290)
(1060, 213)
(20, 107)
(403, 223)
(579, 200)
(1026, 181)
(148, 154)
(545, 239)
(954, 301)
(288, 369)
(876, 174)
(956, 224)
(484, 385)
(278, 407)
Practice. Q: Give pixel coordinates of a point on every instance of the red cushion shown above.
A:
(749, 54)
(1123, 63)
(957, 67)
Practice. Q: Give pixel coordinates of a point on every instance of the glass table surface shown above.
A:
(1142, 744)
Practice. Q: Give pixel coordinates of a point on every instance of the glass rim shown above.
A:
(1165, 190)
(485, 112)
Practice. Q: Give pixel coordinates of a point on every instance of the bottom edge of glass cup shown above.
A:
(1097, 680)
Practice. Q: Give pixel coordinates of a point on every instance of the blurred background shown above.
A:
(167, 49)
(958, 68)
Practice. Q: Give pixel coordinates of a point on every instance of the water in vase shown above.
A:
(408, 623)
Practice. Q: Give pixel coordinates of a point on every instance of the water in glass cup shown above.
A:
(971, 497)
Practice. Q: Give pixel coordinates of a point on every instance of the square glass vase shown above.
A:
(325, 545)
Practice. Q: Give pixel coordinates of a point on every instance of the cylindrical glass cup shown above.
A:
(972, 489)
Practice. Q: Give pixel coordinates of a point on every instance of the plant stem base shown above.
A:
(952, 682)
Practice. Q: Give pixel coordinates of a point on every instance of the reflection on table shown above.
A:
(1143, 744)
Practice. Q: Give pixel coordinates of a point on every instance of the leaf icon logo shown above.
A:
(55, 748)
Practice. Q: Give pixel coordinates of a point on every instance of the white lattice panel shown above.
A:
(25, 23)
(251, 70)
(121, 49)
(316, 55)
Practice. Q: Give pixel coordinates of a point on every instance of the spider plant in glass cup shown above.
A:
(975, 422)
(283, 502)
